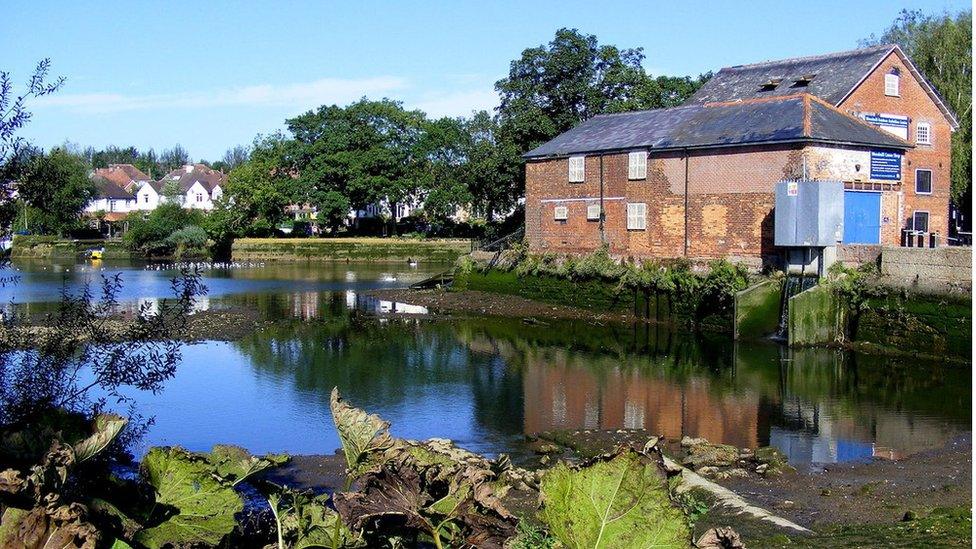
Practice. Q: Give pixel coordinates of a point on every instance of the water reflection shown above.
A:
(487, 382)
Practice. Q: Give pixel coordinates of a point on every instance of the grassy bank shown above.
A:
(53, 247)
(348, 249)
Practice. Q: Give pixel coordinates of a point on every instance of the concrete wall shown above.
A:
(928, 269)
(816, 316)
(757, 310)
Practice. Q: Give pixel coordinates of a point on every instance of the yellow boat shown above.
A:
(96, 254)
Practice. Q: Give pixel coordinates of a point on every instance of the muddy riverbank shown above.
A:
(925, 497)
(478, 303)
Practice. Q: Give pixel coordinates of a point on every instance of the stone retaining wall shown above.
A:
(928, 269)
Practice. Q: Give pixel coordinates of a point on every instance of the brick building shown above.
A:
(697, 180)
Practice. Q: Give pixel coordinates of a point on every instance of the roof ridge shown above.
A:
(674, 108)
(880, 47)
(753, 100)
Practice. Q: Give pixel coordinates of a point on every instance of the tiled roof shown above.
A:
(187, 175)
(834, 75)
(105, 188)
(831, 77)
(123, 175)
(786, 119)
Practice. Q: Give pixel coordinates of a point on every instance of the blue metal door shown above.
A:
(862, 217)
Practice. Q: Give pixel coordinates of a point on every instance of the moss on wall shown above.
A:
(595, 295)
(816, 316)
(916, 324)
(757, 310)
(348, 249)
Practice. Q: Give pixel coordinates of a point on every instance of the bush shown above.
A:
(190, 240)
(150, 234)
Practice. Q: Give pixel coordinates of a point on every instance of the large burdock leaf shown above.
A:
(106, 427)
(617, 502)
(234, 464)
(193, 508)
(360, 433)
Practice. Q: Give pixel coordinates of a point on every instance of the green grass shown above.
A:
(942, 527)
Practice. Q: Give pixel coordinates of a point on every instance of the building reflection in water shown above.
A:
(816, 405)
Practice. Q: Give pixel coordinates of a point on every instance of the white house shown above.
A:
(110, 198)
(198, 187)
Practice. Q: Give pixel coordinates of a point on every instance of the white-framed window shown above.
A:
(637, 165)
(923, 181)
(145, 198)
(636, 216)
(577, 169)
(560, 213)
(891, 84)
(199, 197)
(920, 221)
(923, 133)
(593, 212)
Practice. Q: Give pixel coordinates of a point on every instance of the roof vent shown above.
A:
(803, 80)
(770, 84)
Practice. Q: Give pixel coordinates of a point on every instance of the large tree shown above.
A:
(365, 152)
(555, 86)
(15, 151)
(56, 185)
(942, 48)
(493, 167)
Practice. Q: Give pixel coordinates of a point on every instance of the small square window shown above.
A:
(891, 84)
(636, 216)
(923, 133)
(920, 222)
(637, 165)
(560, 213)
(923, 181)
(593, 212)
(577, 169)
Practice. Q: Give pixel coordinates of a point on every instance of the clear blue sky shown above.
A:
(211, 75)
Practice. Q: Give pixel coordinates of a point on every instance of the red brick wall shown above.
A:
(919, 107)
(730, 203)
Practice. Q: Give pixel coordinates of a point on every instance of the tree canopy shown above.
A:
(57, 187)
(555, 86)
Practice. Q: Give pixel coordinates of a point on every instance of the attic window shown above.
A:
(770, 84)
(804, 80)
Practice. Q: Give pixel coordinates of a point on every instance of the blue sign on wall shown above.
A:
(885, 166)
(895, 121)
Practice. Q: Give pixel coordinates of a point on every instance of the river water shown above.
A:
(488, 382)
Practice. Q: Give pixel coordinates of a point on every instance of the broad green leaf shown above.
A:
(619, 503)
(307, 521)
(359, 432)
(106, 428)
(234, 464)
(192, 507)
(119, 544)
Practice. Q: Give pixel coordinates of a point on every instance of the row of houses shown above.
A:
(123, 188)
(699, 180)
